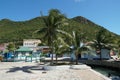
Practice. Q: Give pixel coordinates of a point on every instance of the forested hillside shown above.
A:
(17, 31)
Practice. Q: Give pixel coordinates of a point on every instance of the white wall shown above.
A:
(31, 42)
(105, 53)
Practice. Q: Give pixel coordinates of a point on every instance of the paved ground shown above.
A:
(34, 71)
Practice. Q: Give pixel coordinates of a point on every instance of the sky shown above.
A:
(105, 13)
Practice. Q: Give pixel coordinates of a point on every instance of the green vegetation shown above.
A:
(50, 31)
(103, 39)
(11, 47)
(78, 39)
(59, 33)
(60, 47)
(11, 31)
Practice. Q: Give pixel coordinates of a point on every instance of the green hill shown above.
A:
(17, 31)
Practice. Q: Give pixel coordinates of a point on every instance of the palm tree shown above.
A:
(60, 47)
(117, 46)
(78, 39)
(119, 49)
(103, 40)
(53, 21)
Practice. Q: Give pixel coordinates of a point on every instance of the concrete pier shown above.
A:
(35, 71)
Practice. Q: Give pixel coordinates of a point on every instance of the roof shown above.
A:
(24, 49)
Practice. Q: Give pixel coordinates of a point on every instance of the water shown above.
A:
(109, 72)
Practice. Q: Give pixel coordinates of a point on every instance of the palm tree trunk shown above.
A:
(51, 47)
(100, 55)
(76, 59)
(52, 57)
(56, 58)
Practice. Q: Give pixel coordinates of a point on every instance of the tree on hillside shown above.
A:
(11, 47)
(53, 21)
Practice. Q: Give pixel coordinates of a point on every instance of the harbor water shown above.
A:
(114, 74)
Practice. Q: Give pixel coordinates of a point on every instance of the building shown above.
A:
(28, 50)
(3, 47)
(31, 42)
(105, 54)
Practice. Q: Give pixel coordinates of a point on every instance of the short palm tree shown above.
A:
(119, 50)
(117, 46)
(60, 46)
(77, 41)
(103, 40)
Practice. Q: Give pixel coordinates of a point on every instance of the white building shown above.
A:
(105, 54)
(31, 42)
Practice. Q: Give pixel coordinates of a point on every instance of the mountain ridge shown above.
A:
(19, 30)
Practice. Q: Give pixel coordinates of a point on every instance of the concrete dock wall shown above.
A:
(112, 64)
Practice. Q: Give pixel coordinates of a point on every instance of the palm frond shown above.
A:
(43, 30)
(64, 33)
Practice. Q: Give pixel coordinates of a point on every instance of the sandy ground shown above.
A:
(34, 71)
